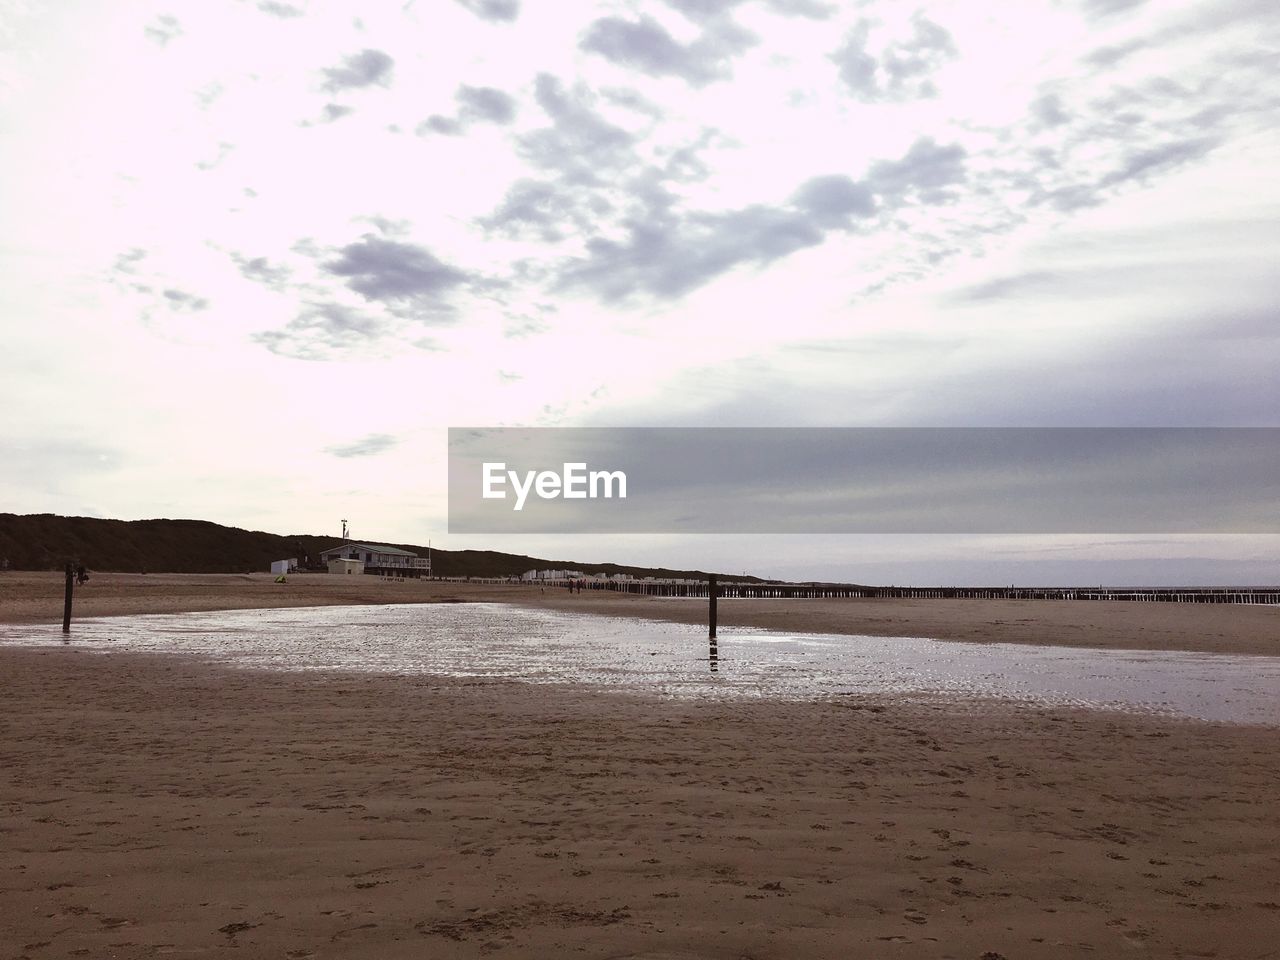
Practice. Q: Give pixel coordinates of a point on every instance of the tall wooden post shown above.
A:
(66, 603)
(714, 653)
(711, 606)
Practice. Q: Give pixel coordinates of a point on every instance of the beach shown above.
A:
(156, 805)
(1120, 625)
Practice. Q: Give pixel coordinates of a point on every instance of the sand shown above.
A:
(1212, 628)
(157, 806)
(154, 806)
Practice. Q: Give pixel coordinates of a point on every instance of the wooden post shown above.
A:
(714, 654)
(711, 606)
(66, 603)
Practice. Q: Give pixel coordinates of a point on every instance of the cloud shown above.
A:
(335, 111)
(493, 10)
(1031, 282)
(438, 124)
(276, 9)
(485, 103)
(394, 272)
(475, 105)
(833, 200)
(580, 145)
(537, 208)
(163, 29)
(1103, 8)
(1136, 165)
(1159, 159)
(645, 45)
(664, 252)
(707, 9)
(260, 270)
(364, 69)
(1047, 110)
(187, 302)
(325, 331)
(905, 69)
(926, 170)
(667, 256)
(128, 261)
(366, 446)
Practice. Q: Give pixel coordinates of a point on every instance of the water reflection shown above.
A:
(536, 646)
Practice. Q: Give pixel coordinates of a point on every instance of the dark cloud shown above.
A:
(493, 10)
(904, 71)
(364, 69)
(163, 29)
(833, 201)
(394, 272)
(645, 45)
(927, 170)
(188, 302)
(485, 103)
(367, 446)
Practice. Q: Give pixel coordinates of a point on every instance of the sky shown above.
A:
(258, 256)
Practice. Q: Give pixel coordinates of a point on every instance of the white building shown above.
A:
(285, 566)
(379, 559)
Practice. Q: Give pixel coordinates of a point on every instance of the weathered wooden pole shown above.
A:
(714, 657)
(711, 605)
(66, 603)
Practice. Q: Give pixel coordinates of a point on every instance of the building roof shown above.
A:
(371, 547)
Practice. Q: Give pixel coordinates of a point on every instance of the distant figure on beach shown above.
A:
(82, 575)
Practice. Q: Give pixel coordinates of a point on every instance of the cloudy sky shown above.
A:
(259, 256)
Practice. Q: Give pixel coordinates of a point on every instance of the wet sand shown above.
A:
(1213, 628)
(154, 806)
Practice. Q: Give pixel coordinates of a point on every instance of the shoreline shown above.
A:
(1119, 625)
(159, 805)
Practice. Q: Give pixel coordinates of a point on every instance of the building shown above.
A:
(339, 565)
(285, 566)
(379, 559)
(529, 575)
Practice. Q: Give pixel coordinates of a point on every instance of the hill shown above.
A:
(45, 541)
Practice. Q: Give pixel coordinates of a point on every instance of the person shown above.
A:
(82, 575)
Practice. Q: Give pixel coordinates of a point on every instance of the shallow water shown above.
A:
(669, 659)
